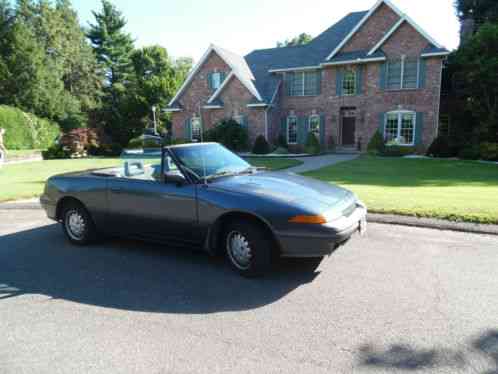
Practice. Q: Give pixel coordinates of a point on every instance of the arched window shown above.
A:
(399, 128)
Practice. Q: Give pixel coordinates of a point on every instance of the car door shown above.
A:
(145, 206)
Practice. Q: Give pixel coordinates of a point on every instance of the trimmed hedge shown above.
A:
(312, 146)
(261, 146)
(26, 131)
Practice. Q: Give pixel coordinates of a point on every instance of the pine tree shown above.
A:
(113, 48)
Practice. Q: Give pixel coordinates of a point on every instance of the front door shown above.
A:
(348, 131)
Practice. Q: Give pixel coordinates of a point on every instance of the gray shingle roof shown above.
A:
(433, 49)
(311, 54)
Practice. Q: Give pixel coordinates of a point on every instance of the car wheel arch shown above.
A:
(67, 200)
(216, 231)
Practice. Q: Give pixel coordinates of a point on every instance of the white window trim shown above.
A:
(192, 129)
(400, 113)
(297, 128)
(239, 119)
(301, 94)
(355, 82)
(218, 74)
(315, 116)
(402, 81)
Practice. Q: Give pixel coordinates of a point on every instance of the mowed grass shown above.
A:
(273, 163)
(22, 153)
(447, 189)
(27, 180)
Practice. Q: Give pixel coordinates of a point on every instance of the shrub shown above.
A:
(110, 150)
(282, 141)
(440, 147)
(26, 131)
(489, 151)
(332, 144)
(469, 152)
(281, 151)
(376, 145)
(152, 143)
(56, 151)
(261, 146)
(312, 146)
(397, 151)
(229, 133)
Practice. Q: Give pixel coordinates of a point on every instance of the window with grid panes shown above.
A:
(349, 83)
(196, 129)
(314, 126)
(400, 127)
(410, 73)
(304, 83)
(394, 74)
(291, 130)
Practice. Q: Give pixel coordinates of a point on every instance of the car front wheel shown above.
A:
(78, 225)
(248, 248)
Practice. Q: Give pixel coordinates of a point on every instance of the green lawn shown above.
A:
(23, 181)
(273, 163)
(22, 153)
(454, 190)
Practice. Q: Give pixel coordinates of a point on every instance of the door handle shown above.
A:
(116, 190)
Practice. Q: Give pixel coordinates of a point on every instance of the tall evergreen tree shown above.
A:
(113, 48)
(480, 11)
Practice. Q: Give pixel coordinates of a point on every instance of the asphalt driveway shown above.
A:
(400, 300)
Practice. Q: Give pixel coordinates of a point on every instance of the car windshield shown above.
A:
(210, 160)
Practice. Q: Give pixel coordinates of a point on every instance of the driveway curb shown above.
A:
(431, 223)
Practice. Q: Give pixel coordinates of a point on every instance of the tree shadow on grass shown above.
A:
(405, 357)
(135, 276)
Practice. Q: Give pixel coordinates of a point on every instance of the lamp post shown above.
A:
(154, 118)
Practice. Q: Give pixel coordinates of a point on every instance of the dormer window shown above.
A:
(215, 79)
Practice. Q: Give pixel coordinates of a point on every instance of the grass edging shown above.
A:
(432, 223)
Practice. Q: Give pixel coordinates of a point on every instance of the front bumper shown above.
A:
(49, 207)
(324, 239)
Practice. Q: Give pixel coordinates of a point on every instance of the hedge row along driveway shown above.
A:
(435, 188)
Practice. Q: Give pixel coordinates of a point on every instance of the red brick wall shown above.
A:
(197, 93)
(369, 34)
(235, 97)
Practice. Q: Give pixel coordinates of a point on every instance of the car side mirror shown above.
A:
(175, 178)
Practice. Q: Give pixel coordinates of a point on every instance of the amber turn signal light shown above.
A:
(316, 220)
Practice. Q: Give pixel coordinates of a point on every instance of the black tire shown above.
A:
(88, 234)
(260, 245)
(311, 264)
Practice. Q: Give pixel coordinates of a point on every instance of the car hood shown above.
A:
(288, 188)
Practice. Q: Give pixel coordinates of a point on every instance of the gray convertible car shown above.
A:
(203, 195)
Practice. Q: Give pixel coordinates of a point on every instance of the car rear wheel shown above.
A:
(77, 224)
(248, 248)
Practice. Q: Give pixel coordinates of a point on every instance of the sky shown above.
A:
(188, 27)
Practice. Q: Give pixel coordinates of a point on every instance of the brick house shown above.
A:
(372, 70)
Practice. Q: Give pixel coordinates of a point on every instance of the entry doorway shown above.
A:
(348, 127)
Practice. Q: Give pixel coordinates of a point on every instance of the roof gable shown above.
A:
(367, 16)
(236, 63)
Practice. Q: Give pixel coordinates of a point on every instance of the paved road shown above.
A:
(400, 300)
(318, 162)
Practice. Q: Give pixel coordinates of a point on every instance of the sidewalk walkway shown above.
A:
(318, 162)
